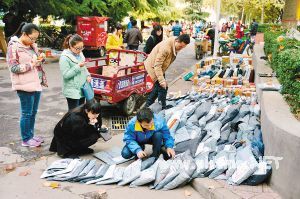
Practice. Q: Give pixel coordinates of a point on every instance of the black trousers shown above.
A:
(73, 103)
(157, 143)
(157, 92)
(65, 148)
(132, 47)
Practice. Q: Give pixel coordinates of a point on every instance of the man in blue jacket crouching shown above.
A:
(147, 128)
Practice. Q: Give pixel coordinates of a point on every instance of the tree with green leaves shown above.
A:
(265, 10)
(68, 9)
(193, 10)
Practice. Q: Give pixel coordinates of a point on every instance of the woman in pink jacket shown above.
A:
(28, 77)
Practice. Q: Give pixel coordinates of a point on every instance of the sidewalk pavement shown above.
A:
(31, 186)
(3, 64)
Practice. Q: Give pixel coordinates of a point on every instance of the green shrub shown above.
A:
(287, 67)
(267, 27)
(285, 61)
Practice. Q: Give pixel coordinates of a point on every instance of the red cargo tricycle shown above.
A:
(93, 30)
(120, 78)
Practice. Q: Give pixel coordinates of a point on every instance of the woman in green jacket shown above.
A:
(74, 71)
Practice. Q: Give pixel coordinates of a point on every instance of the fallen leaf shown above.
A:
(101, 191)
(25, 173)
(187, 193)
(10, 167)
(43, 158)
(53, 185)
(117, 125)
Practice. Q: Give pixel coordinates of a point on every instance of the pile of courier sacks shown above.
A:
(232, 74)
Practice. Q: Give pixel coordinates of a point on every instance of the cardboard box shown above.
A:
(109, 71)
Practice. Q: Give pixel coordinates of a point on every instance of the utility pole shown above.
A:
(216, 44)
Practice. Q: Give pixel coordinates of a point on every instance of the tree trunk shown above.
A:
(243, 13)
(289, 18)
(262, 14)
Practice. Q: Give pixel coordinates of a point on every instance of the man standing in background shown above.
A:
(253, 29)
(129, 25)
(177, 29)
(133, 37)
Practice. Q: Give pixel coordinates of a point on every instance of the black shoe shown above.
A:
(165, 155)
(86, 151)
(264, 57)
(71, 156)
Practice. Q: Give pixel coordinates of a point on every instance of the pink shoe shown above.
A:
(31, 143)
(38, 139)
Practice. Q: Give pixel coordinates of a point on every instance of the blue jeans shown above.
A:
(155, 141)
(29, 106)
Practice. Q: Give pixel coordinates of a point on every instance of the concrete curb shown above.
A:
(280, 128)
(211, 189)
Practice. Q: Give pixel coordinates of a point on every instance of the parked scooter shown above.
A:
(237, 46)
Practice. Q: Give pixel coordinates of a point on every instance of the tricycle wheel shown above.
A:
(128, 105)
(102, 51)
(249, 50)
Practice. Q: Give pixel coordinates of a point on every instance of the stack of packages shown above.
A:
(223, 134)
(230, 74)
(216, 136)
(159, 173)
(217, 133)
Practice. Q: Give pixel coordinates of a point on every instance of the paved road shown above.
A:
(53, 105)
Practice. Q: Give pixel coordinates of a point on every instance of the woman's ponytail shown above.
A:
(66, 43)
(72, 40)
